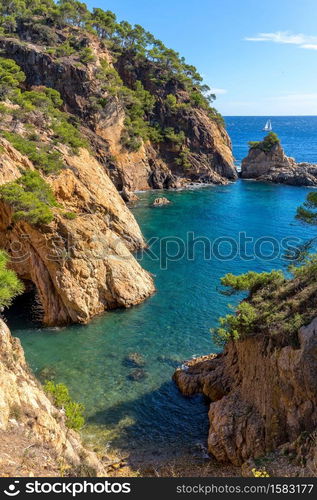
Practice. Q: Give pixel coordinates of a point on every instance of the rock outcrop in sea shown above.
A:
(161, 201)
(272, 165)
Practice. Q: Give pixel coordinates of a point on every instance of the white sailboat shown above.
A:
(268, 126)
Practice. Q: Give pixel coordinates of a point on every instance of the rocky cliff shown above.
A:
(262, 398)
(274, 166)
(34, 440)
(83, 266)
(206, 145)
(262, 387)
(118, 122)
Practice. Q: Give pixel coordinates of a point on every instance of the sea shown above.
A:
(202, 235)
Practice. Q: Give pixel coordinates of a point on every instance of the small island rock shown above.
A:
(266, 161)
(159, 202)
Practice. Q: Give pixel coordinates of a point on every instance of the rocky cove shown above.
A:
(89, 118)
(148, 420)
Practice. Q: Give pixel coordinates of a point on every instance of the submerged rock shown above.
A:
(134, 359)
(159, 202)
(174, 362)
(46, 373)
(137, 374)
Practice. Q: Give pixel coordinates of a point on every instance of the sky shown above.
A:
(258, 56)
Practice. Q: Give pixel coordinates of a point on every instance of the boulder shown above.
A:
(159, 202)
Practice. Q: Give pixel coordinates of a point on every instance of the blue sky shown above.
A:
(259, 56)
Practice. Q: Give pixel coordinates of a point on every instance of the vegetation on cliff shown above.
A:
(30, 112)
(153, 84)
(38, 108)
(276, 306)
(30, 197)
(62, 399)
(10, 285)
(266, 144)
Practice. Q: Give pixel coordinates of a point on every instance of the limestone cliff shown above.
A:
(261, 397)
(154, 165)
(274, 166)
(34, 440)
(83, 266)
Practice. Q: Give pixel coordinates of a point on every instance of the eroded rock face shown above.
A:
(261, 396)
(275, 166)
(152, 166)
(28, 416)
(84, 266)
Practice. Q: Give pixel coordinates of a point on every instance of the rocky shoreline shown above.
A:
(273, 165)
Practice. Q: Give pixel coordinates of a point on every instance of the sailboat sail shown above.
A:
(268, 126)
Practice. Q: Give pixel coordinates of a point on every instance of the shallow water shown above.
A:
(171, 326)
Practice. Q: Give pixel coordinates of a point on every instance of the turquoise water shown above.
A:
(173, 325)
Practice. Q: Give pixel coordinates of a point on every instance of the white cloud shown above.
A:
(286, 37)
(218, 91)
(311, 46)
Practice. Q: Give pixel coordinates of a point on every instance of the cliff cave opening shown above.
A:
(26, 309)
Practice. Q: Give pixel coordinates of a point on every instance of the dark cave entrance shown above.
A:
(26, 310)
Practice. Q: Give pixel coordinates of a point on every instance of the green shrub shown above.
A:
(198, 100)
(109, 78)
(45, 98)
(251, 281)
(30, 197)
(67, 134)
(171, 101)
(183, 159)
(44, 34)
(308, 269)
(155, 134)
(64, 50)
(48, 162)
(11, 77)
(61, 398)
(308, 211)
(294, 323)
(267, 144)
(176, 137)
(69, 215)
(86, 55)
(235, 326)
(10, 285)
